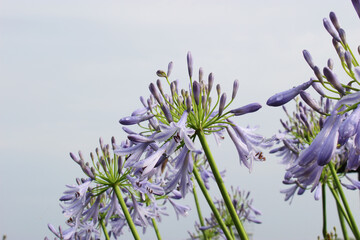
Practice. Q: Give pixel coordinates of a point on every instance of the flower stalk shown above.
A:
(122, 203)
(224, 193)
(157, 232)
(201, 219)
(103, 227)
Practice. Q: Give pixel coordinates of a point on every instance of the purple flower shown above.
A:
(135, 119)
(181, 210)
(356, 4)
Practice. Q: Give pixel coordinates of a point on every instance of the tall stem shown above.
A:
(156, 229)
(126, 212)
(201, 219)
(323, 190)
(101, 220)
(224, 193)
(211, 204)
(337, 183)
(342, 223)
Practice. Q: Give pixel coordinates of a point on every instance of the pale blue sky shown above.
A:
(69, 70)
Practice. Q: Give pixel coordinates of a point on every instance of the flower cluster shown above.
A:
(244, 208)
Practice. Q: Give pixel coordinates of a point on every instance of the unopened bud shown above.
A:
(196, 92)
(342, 36)
(318, 74)
(155, 93)
(328, 26)
(218, 89)
(318, 88)
(311, 102)
(222, 104)
(190, 64)
(158, 83)
(330, 63)
(235, 88)
(201, 73)
(211, 81)
(188, 104)
(170, 67)
(308, 58)
(167, 113)
(332, 78)
(74, 157)
(120, 164)
(334, 20)
(160, 73)
(348, 59)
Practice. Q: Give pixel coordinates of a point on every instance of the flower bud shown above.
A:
(188, 103)
(332, 78)
(356, 4)
(222, 103)
(218, 89)
(330, 63)
(120, 164)
(334, 20)
(158, 83)
(318, 74)
(318, 88)
(196, 92)
(252, 107)
(155, 93)
(160, 73)
(308, 58)
(201, 73)
(342, 36)
(328, 26)
(135, 119)
(348, 59)
(167, 113)
(235, 88)
(211, 81)
(170, 67)
(310, 101)
(190, 64)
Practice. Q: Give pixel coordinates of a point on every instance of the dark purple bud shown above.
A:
(222, 103)
(173, 89)
(330, 63)
(318, 88)
(318, 74)
(334, 20)
(155, 93)
(74, 157)
(218, 89)
(190, 64)
(167, 113)
(196, 92)
(285, 125)
(201, 73)
(135, 119)
(332, 78)
(342, 36)
(356, 4)
(158, 83)
(203, 101)
(348, 59)
(235, 88)
(328, 26)
(252, 107)
(284, 97)
(210, 81)
(308, 58)
(310, 101)
(327, 105)
(160, 73)
(170, 67)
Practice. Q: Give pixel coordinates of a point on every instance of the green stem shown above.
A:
(342, 223)
(211, 203)
(338, 203)
(102, 223)
(224, 193)
(354, 228)
(201, 219)
(156, 229)
(126, 212)
(324, 230)
(231, 231)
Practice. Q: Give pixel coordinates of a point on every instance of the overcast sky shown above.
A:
(69, 70)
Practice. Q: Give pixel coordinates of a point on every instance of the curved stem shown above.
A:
(224, 193)
(324, 230)
(201, 219)
(211, 203)
(126, 212)
(337, 183)
(101, 220)
(156, 229)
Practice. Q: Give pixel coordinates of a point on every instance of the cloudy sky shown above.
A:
(69, 70)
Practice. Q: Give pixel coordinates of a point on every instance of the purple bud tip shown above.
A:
(331, 77)
(334, 20)
(201, 73)
(196, 90)
(210, 81)
(328, 26)
(74, 157)
(160, 73)
(170, 67)
(222, 103)
(235, 88)
(190, 64)
(218, 89)
(252, 107)
(308, 58)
